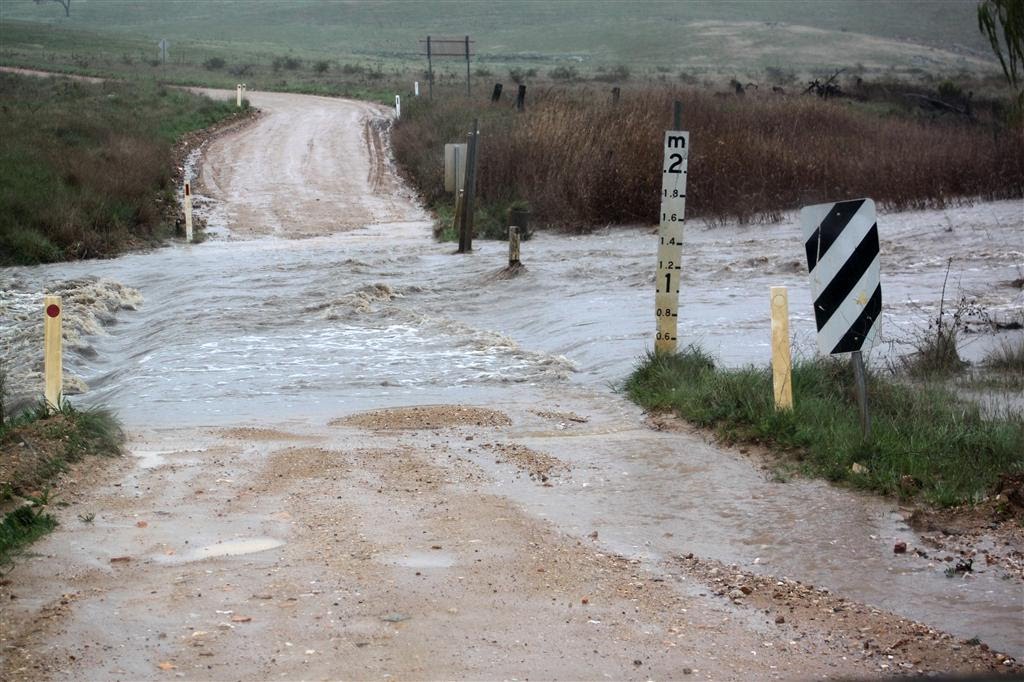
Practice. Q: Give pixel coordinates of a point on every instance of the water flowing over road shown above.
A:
(319, 295)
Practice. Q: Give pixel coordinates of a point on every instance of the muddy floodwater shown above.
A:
(365, 311)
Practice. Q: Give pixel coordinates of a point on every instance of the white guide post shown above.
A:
(238, 95)
(670, 239)
(398, 106)
(416, 88)
(188, 213)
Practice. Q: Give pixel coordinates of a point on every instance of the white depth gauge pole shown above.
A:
(670, 237)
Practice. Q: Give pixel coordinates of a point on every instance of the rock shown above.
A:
(746, 589)
(735, 594)
(779, 620)
(899, 548)
(859, 469)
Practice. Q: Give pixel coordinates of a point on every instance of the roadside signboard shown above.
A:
(841, 240)
(454, 167)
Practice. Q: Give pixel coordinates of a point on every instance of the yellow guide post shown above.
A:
(782, 361)
(53, 368)
(188, 212)
(670, 239)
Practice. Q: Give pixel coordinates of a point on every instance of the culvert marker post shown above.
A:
(782, 360)
(843, 260)
(53, 367)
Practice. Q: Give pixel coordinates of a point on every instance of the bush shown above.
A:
(287, 63)
(950, 91)
(321, 66)
(214, 63)
(564, 73)
(616, 74)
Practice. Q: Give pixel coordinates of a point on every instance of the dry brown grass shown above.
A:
(581, 163)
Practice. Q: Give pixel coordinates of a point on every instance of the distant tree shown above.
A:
(1005, 19)
(66, 4)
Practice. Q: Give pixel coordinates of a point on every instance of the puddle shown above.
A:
(222, 549)
(419, 560)
(153, 459)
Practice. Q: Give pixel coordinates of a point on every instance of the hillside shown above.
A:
(704, 38)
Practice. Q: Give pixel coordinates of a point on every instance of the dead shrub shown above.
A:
(581, 161)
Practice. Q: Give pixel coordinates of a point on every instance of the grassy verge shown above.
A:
(86, 169)
(34, 448)
(925, 441)
(580, 161)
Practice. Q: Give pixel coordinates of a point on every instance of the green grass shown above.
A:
(86, 169)
(60, 438)
(925, 441)
(22, 527)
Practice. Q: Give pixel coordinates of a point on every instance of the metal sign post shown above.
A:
(447, 47)
(841, 240)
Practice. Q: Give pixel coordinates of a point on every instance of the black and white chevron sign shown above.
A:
(842, 257)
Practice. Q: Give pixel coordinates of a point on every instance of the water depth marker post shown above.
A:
(670, 236)
(53, 366)
(188, 212)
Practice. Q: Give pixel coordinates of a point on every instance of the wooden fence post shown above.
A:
(496, 95)
(513, 247)
(521, 99)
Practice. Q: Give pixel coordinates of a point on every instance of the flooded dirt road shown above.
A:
(258, 530)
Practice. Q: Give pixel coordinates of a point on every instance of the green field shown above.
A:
(657, 40)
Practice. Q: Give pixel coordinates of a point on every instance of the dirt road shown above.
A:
(465, 540)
